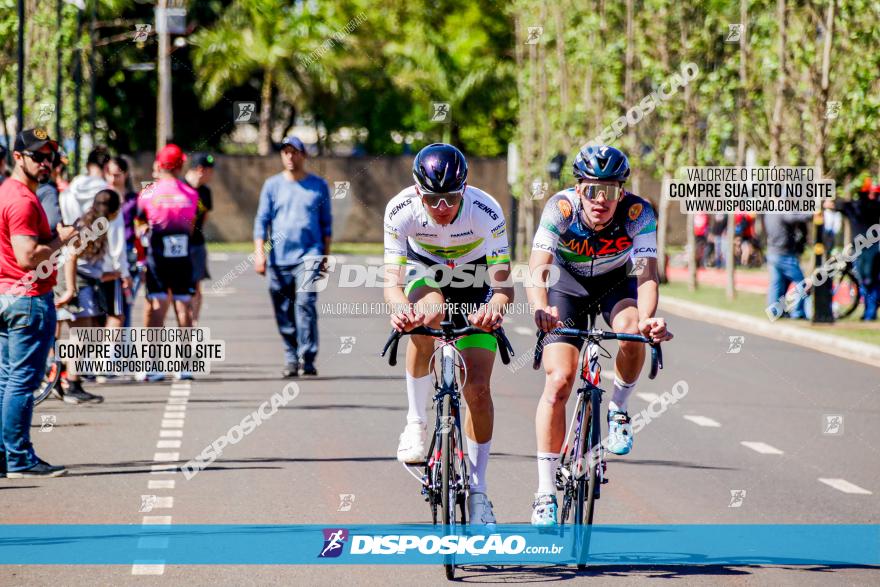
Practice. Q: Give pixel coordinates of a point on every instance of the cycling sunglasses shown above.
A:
(39, 157)
(451, 199)
(611, 193)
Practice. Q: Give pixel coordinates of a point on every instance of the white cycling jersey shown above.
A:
(477, 235)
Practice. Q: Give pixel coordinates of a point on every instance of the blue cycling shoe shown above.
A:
(620, 434)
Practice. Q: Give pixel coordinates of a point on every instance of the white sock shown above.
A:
(478, 459)
(620, 397)
(547, 463)
(417, 392)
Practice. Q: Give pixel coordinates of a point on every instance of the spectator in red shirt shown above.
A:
(28, 258)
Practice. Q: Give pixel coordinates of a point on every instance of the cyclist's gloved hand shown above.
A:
(406, 321)
(547, 318)
(487, 318)
(655, 329)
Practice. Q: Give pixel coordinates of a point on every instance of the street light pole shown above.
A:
(59, 4)
(163, 114)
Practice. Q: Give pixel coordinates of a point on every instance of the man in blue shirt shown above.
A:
(292, 229)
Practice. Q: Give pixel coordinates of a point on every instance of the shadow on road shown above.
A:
(533, 574)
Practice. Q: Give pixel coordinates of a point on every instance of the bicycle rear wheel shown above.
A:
(50, 378)
(845, 294)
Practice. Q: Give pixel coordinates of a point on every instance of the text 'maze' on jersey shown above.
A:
(581, 252)
(477, 235)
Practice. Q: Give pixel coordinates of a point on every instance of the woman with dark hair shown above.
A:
(85, 301)
(119, 178)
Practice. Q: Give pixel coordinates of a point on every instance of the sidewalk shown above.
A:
(750, 281)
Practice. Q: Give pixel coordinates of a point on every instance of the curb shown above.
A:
(853, 350)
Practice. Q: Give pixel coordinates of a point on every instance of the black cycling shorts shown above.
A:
(603, 293)
(169, 267)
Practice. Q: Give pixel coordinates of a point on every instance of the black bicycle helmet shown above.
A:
(601, 162)
(440, 168)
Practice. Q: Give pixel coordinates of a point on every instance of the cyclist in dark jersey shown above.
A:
(603, 240)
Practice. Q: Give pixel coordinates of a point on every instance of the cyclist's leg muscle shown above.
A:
(630, 355)
(560, 365)
(481, 413)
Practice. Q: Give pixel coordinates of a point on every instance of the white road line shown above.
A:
(160, 484)
(156, 520)
(761, 447)
(170, 433)
(153, 542)
(179, 392)
(703, 421)
(172, 423)
(845, 486)
(168, 444)
(165, 501)
(648, 397)
(171, 408)
(162, 457)
(181, 401)
(148, 568)
(524, 330)
(173, 416)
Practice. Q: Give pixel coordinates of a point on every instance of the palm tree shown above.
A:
(252, 37)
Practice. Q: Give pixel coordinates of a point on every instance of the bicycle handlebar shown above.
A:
(447, 333)
(595, 334)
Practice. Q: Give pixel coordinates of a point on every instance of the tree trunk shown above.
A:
(263, 138)
(776, 157)
(730, 265)
(690, 125)
(822, 135)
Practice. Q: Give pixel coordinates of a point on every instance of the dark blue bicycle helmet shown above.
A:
(440, 168)
(601, 162)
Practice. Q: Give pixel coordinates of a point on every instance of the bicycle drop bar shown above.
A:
(447, 333)
(595, 334)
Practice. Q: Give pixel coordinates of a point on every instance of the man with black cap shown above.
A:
(28, 265)
(294, 218)
(198, 177)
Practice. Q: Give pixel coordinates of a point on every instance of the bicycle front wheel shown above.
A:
(588, 483)
(447, 497)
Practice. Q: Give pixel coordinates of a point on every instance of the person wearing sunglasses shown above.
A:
(28, 268)
(437, 226)
(603, 240)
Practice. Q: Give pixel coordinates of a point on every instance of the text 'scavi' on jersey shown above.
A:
(477, 235)
(581, 252)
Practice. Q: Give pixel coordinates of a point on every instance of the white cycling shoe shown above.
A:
(411, 449)
(544, 510)
(480, 510)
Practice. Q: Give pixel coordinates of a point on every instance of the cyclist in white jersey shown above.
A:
(455, 237)
(594, 233)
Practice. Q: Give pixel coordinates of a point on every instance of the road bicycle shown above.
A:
(445, 480)
(582, 467)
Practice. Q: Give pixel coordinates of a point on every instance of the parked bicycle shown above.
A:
(445, 480)
(582, 466)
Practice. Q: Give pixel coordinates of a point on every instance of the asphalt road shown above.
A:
(752, 421)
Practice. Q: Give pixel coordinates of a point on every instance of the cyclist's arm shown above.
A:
(648, 288)
(539, 269)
